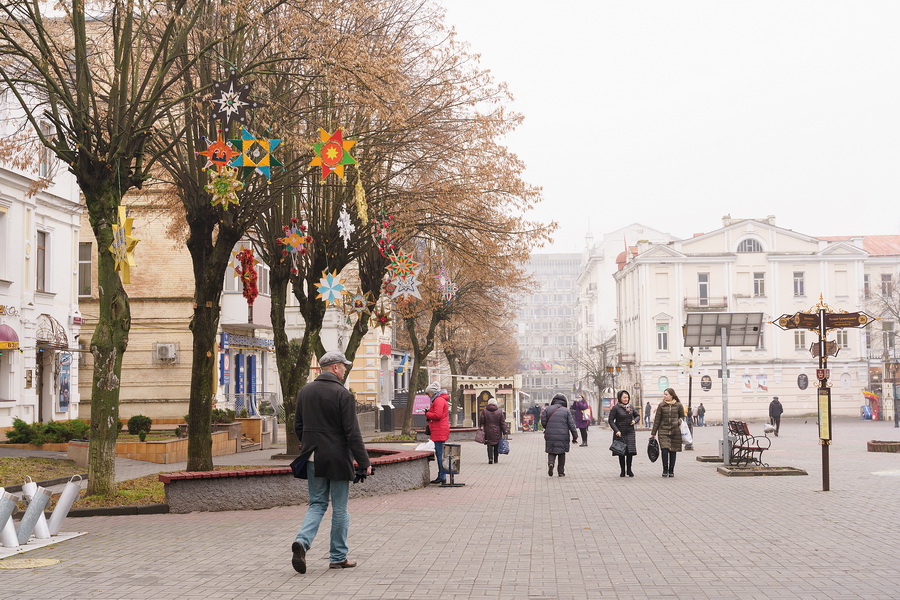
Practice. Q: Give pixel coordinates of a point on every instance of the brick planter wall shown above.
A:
(879, 446)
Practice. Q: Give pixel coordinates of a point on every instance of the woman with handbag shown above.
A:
(622, 418)
(582, 418)
(667, 423)
(493, 424)
(438, 417)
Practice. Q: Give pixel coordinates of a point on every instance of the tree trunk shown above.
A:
(108, 344)
(287, 357)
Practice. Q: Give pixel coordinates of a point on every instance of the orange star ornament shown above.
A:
(332, 153)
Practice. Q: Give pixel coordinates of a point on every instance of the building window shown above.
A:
(866, 287)
(886, 284)
(759, 285)
(262, 281)
(748, 246)
(662, 336)
(799, 340)
(703, 289)
(3, 251)
(45, 153)
(84, 270)
(761, 345)
(799, 287)
(842, 338)
(40, 258)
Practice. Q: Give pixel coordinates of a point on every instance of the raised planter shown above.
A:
(759, 471)
(46, 447)
(395, 471)
(882, 446)
(457, 434)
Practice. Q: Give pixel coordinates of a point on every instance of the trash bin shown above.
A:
(451, 460)
(387, 418)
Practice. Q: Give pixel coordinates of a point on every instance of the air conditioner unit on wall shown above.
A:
(166, 352)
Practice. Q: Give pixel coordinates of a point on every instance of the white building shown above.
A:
(39, 318)
(747, 265)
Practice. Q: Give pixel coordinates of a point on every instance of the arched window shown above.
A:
(749, 245)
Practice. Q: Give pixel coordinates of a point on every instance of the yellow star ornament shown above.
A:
(123, 245)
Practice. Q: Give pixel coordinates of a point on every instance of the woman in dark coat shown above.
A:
(622, 418)
(582, 419)
(558, 424)
(493, 423)
(667, 423)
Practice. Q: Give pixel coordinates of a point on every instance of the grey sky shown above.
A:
(673, 113)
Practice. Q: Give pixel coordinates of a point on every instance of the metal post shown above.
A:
(726, 441)
(35, 510)
(7, 529)
(823, 383)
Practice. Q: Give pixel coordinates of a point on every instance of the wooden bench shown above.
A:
(747, 448)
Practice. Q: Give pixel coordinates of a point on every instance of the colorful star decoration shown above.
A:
(345, 226)
(402, 264)
(332, 153)
(123, 244)
(224, 186)
(245, 268)
(295, 238)
(218, 153)
(447, 287)
(381, 318)
(359, 302)
(331, 289)
(232, 100)
(407, 288)
(256, 154)
(384, 233)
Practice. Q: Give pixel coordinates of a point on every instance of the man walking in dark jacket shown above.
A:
(330, 440)
(775, 410)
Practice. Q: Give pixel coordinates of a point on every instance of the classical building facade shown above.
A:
(39, 318)
(748, 265)
(547, 327)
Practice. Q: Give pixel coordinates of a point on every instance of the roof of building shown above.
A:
(620, 259)
(875, 245)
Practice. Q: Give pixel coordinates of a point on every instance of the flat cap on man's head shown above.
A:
(333, 358)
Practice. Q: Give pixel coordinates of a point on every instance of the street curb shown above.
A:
(18, 488)
(109, 511)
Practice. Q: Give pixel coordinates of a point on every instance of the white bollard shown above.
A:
(64, 504)
(36, 507)
(7, 529)
(41, 531)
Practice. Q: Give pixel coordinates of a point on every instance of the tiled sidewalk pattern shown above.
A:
(513, 532)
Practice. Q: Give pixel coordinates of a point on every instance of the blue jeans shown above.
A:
(702, 421)
(439, 457)
(319, 491)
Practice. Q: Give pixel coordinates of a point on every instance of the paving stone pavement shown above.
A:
(514, 533)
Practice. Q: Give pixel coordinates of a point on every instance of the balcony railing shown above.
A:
(710, 303)
(627, 359)
(893, 354)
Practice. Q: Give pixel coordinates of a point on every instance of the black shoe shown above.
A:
(671, 474)
(490, 462)
(665, 474)
(437, 480)
(299, 559)
(562, 474)
(346, 564)
(550, 470)
(622, 474)
(630, 474)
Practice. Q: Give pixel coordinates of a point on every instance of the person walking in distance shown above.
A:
(701, 414)
(582, 418)
(493, 424)
(775, 410)
(438, 417)
(329, 435)
(667, 423)
(622, 419)
(647, 410)
(558, 424)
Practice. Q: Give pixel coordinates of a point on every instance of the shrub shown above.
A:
(243, 414)
(139, 423)
(54, 432)
(22, 432)
(142, 435)
(222, 416)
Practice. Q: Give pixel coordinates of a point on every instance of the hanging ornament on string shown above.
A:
(295, 243)
(245, 269)
(359, 195)
(402, 264)
(331, 288)
(223, 186)
(381, 318)
(407, 287)
(359, 302)
(384, 234)
(345, 226)
(218, 153)
(231, 100)
(255, 154)
(123, 244)
(448, 288)
(332, 153)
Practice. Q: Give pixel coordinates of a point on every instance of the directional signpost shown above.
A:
(821, 318)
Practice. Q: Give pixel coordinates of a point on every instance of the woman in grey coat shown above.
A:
(667, 422)
(558, 423)
(622, 418)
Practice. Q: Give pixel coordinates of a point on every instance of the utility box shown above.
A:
(386, 423)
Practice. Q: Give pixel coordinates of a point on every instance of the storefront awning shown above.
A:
(8, 338)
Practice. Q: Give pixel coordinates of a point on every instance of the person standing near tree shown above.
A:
(582, 418)
(438, 417)
(775, 410)
(329, 435)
